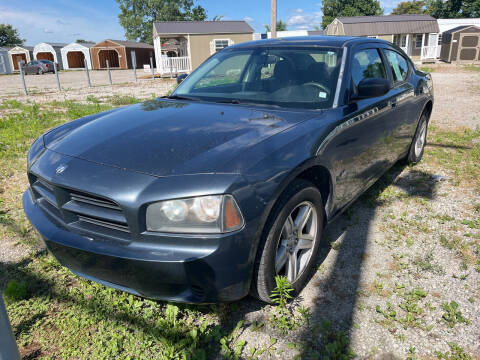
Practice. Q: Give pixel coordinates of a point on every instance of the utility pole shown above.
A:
(273, 20)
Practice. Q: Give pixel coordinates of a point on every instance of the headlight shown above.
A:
(204, 214)
(35, 150)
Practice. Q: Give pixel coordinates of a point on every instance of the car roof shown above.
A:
(328, 41)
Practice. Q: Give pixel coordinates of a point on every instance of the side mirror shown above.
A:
(373, 87)
(181, 77)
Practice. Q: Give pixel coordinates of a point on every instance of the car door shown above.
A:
(359, 150)
(403, 101)
(28, 67)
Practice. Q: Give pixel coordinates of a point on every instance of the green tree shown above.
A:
(82, 41)
(218, 18)
(9, 36)
(453, 8)
(281, 26)
(137, 16)
(409, 7)
(337, 8)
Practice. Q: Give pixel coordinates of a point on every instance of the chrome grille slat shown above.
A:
(109, 225)
(74, 207)
(94, 201)
(45, 192)
(87, 209)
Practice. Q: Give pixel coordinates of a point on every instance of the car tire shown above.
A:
(415, 153)
(275, 240)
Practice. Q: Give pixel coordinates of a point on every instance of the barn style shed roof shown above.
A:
(388, 25)
(74, 44)
(459, 28)
(129, 44)
(202, 27)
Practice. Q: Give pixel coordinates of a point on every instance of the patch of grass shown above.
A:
(427, 69)
(426, 263)
(452, 315)
(16, 291)
(18, 130)
(472, 67)
(456, 353)
(119, 100)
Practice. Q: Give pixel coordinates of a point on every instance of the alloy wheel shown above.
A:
(297, 239)
(420, 142)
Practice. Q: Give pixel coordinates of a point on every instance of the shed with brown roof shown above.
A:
(118, 54)
(461, 44)
(416, 34)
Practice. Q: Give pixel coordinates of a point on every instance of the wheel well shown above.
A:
(428, 109)
(320, 177)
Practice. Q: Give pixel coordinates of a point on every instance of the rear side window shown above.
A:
(367, 64)
(398, 64)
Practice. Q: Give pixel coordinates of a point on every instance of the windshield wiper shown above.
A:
(236, 101)
(180, 97)
(229, 101)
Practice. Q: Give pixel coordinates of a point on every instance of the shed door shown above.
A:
(18, 57)
(469, 48)
(47, 55)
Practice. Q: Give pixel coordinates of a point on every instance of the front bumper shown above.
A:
(210, 276)
(183, 268)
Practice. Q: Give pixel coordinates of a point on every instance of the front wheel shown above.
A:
(419, 141)
(291, 239)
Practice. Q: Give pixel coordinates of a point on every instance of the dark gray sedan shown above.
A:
(40, 67)
(209, 194)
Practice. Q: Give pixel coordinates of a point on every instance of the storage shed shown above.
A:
(4, 62)
(118, 54)
(20, 53)
(74, 54)
(49, 51)
(461, 44)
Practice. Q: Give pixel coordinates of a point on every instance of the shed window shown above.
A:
(220, 44)
(418, 40)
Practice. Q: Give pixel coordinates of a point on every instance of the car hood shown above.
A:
(167, 137)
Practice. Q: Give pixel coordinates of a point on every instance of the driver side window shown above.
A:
(367, 64)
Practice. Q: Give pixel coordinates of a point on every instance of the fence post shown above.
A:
(134, 64)
(171, 68)
(151, 67)
(108, 71)
(86, 71)
(22, 76)
(56, 75)
(8, 346)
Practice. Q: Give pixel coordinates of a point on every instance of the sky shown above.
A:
(67, 20)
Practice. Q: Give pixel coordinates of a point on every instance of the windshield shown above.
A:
(286, 77)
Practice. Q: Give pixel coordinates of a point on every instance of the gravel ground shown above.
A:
(11, 85)
(457, 97)
(395, 254)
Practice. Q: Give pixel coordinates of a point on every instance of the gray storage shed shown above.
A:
(4, 62)
(461, 45)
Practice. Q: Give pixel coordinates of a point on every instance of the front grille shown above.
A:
(85, 212)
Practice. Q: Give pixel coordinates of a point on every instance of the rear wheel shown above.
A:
(419, 141)
(40, 71)
(290, 242)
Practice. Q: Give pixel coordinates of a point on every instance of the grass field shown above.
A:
(57, 315)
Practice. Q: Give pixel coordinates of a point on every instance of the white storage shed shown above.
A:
(49, 51)
(74, 54)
